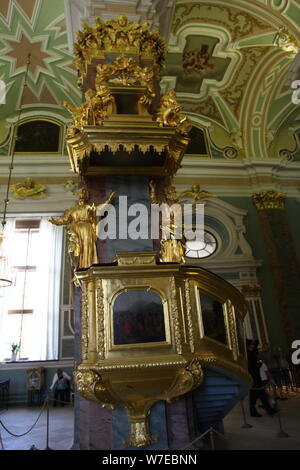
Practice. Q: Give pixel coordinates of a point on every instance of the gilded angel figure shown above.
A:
(172, 249)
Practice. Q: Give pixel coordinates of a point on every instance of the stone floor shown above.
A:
(19, 420)
(262, 435)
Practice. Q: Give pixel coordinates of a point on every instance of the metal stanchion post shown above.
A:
(211, 432)
(281, 432)
(212, 440)
(47, 425)
(245, 425)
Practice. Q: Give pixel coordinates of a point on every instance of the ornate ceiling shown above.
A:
(37, 27)
(223, 60)
(230, 74)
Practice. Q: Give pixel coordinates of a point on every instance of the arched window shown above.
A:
(38, 136)
(203, 248)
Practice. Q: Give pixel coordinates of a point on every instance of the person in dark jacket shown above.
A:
(258, 389)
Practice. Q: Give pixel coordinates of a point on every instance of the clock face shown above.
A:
(203, 248)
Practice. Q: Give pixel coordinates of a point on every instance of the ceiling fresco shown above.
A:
(196, 63)
(36, 27)
(223, 61)
(228, 71)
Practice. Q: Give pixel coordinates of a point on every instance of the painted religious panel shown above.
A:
(196, 63)
(35, 378)
(138, 317)
(213, 318)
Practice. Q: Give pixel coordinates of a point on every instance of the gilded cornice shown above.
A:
(269, 200)
(251, 290)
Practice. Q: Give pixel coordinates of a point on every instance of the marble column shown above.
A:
(282, 258)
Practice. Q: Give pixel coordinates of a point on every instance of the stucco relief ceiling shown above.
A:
(37, 28)
(226, 67)
(222, 61)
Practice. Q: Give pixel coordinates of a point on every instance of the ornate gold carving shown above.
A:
(141, 365)
(175, 316)
(172, 250)
(140, 434)
(251, 290)
(232, 329)
(91, 386)
(141, 259)
(86, 380)
(287, 42)
(269, 200)
(176, 150)
(189, 315)
(123, 36)
(100, 318)
(142, 376)
(104, 395)
(129, 147)
(84, 321)
(169, 113)
(28, 189)
(81, 221)
(131, 136)
(196, 193)
(124, 71)
(187, 378)
(98, 106)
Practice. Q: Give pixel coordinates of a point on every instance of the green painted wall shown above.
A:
(17, 391)
(292, 207)
(254, 237)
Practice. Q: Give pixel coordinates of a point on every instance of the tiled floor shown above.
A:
(263, 434)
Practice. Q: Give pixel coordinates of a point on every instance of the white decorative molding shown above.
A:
(39, 112)
(232, 219)
(222, 49)
(250, 175)
(74, 11)
(32, 364)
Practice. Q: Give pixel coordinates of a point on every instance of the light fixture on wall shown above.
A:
(6, 277)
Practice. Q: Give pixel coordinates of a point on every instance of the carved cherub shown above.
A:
(196, 193)
(98, 105)
(28, 189)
